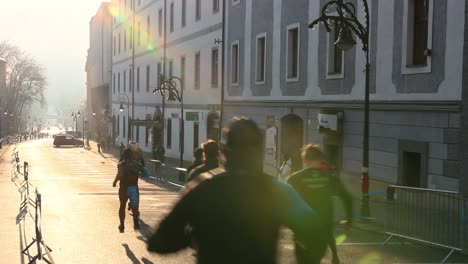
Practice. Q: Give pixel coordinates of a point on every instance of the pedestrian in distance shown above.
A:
(121, 148)
(211, 160)
(285, 168)
(197, 160)
(317, 185)
(127, 174)
(235, 215)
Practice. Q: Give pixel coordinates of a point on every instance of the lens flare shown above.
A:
(113, 11)
(371, 258)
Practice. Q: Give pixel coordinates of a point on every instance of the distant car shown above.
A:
(62, 140)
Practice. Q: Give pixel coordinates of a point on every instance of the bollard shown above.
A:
(181, 176)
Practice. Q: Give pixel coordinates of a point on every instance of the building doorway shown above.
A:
(292, 138)
(411, 169)
(412, 163)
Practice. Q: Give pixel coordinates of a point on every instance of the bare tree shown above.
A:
(26, 82)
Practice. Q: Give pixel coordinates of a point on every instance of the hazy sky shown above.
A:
(56, 34)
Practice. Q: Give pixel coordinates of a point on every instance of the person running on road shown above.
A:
(127, 174)
(211, 152)
(317, 185)
(235, 216)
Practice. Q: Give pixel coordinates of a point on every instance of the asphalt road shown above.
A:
(79, 216)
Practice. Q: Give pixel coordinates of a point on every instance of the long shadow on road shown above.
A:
(134, 258)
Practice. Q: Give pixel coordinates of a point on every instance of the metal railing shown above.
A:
(429, 216)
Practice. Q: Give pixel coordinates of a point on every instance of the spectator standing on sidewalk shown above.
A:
(127, 174)
(197, 160)
(121, 148)
(317, 185)
(235, 215)
(211, 153)
(285, 168)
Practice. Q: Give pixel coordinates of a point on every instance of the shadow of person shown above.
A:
(146, 261)
(130, 254)
(145, 231)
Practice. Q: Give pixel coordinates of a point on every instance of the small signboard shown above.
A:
(192, 116)
(328, 121)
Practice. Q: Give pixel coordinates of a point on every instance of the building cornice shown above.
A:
(433, 106)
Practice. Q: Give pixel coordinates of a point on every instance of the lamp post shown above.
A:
(122, 98)
(170, 86)
(346, 17)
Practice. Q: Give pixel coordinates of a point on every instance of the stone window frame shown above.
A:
(236, 42)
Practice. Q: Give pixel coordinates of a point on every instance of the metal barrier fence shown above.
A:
(424, 215)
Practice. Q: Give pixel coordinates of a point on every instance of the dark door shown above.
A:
(196, 129)
(292, 134)
(411, 169)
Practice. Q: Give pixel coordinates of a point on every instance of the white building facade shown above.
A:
(286, 76)
(98, 70)
(183, 31)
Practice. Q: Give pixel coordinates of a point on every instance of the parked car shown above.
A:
(62, 140)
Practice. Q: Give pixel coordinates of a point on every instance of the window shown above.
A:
(184, 13)
(118, 81)
(171, 18)
(148, 29)
(115, 46)
(130, 80)
(119, 43)
(235, 63)
(197, 72)
(420, 27)
(139, 34)
(125, 40)
(160, 20)
(260, 60)
(147, 78)
(235, 2)
(197, 10)
(113, 83)
(417, 36)
(169, 133)
(124, 127)
(182, 71)
(293, 53)
(159, 72)
(335, 55)
(138, 79)
(214, 68)
(215, 6)
(125, 82)
(137, 134)
(147, 136)
(171, 67)
(131, 38)
(118, 125)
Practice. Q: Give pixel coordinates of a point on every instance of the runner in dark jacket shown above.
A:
(235, 216)
(316, 184)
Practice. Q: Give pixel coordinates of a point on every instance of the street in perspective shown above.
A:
(234, 131)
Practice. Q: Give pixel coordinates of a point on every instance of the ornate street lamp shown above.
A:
(170, 86)
(123, 98)
(345, 17)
